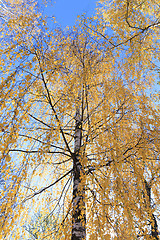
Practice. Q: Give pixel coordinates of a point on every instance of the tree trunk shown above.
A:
(79, 215)
(154, 225)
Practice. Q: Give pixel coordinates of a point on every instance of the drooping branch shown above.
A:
(45, 188)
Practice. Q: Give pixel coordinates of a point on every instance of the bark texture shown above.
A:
(78, 216)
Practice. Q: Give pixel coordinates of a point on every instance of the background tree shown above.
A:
(42, 225)
(80, 123)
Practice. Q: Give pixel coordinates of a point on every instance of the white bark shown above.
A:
(78, 216)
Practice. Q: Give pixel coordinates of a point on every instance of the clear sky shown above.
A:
(66, 11)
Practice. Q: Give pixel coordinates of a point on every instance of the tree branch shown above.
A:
(45, 188)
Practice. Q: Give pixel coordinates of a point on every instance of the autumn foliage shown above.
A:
(80, 122)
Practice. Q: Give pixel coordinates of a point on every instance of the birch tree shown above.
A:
(77, 117)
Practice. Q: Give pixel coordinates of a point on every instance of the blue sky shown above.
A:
(66, 11)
